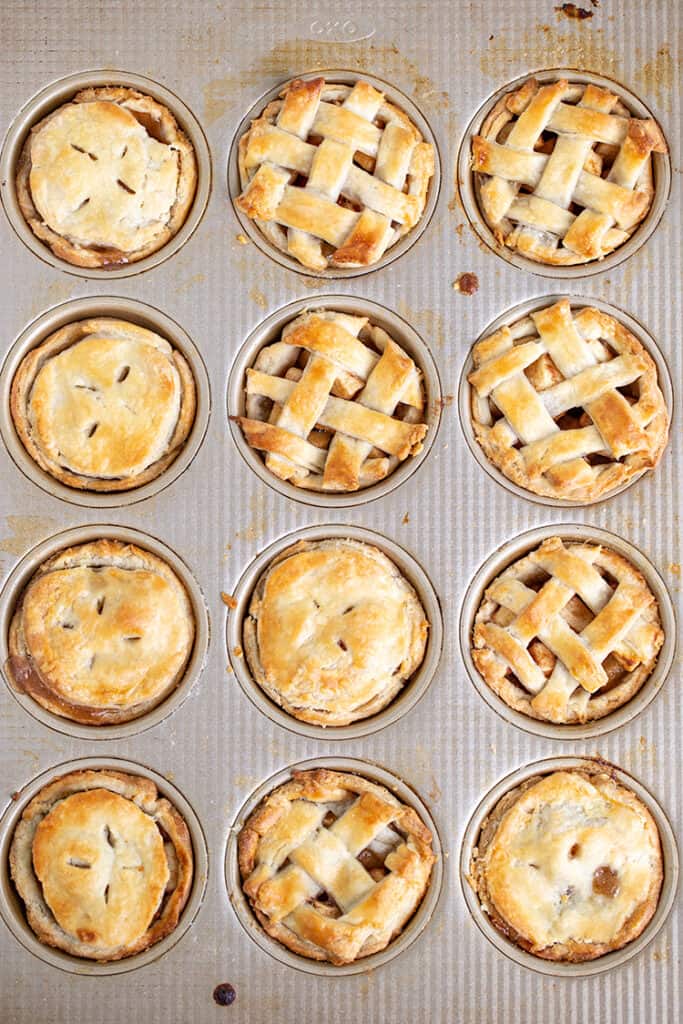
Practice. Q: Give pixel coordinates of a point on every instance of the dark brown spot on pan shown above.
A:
(574, 12)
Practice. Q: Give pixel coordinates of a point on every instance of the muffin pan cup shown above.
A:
(21, 575)
(553, 967)
(62, 91)
(512, 316)
(515, 549)
(413, 928)
(121, 309)
(413, 690)
(11, 906)
(661, 165)
(402, 333)
(335, 77)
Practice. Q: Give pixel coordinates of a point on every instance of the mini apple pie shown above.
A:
(568, 633)
(334, 174)
(568, 866)
(101, 634)
(334, 631)
(103, 405)
(334, 865)
(107, 178)
(103, 864)
(334, 404)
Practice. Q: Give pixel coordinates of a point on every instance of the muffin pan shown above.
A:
(218, 292)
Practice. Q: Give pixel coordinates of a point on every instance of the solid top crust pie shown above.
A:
(103, 405)
(101, 633)
(568, 866)
(563, 171)
(103, 864)
(568, 633)
(334, 404)
(334, 631)
(107, 178)
(332, 174)
(566, 403)
(334, 865)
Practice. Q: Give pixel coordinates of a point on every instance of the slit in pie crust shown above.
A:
(334, 404)
(563, 171)
(566, 403)
(103, 404)
(334, 866)
(568, 866)
(334, 631)
(103, 864)
(107, 178)
(568, 633)
(333, 175)
(101, 634)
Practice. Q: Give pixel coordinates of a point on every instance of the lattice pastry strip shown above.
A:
(568, 632)
(366, 167)
(563, 171)
(567, 404)
(303, 856)
(311, 435)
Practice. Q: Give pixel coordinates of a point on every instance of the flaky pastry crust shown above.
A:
(568, 866)
(102, 863)
(102, 633)
(334, 865)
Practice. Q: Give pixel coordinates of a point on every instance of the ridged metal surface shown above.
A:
(448, 57)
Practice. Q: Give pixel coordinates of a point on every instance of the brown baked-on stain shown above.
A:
(24, 532)
(237, 651)
(657, 77)
(466, 284)
(574, 12)
(228, 600)
(548, 46)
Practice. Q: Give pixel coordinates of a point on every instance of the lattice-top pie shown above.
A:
(102, 863)
(333, 174)
(568, 633)
(567, 404)
(335, 404)
(568, 866)
(334, 631)
(563, 171)
(103, 405)
(101, 633)
(106, 179)
(334, 865)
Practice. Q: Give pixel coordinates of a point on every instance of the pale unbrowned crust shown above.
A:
(64, 338)
(321, 785)
(372, 560)
(565, 952)
(177, 843)
(159, 121)
(21, 666)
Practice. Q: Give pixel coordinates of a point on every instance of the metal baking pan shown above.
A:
(217, 292)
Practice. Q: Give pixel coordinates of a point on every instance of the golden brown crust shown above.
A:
(570, 204)
(152, 147)
(129, 384)
(102, 863)
(334, 631)
(367, 169)
(347, 886)
(567, 404)
(101, 634)
(599, 850)
(559, 598)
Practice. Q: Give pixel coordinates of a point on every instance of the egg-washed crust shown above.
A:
(25, 650)
(331, 701)
(601, 775)
(319, 786)
(177, 845)
(65, 338)
(161, 125)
